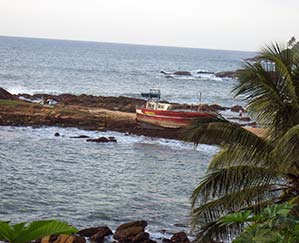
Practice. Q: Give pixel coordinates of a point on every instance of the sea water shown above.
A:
(89, 184)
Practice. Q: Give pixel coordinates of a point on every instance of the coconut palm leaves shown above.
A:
(24, 232)
(251, 172)
(271, 88)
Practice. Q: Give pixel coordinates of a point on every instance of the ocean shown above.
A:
(43, 176)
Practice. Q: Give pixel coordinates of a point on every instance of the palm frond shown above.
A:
(287, 148)
(232, 202)
(242, 155)
(231, 179)
(221, 132)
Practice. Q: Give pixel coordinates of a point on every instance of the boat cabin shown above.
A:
(157, 106)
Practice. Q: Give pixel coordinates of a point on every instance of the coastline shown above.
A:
(86, 112)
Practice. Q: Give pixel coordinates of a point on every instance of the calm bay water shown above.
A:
(86, 184)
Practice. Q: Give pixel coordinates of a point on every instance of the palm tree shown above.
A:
(250, 172)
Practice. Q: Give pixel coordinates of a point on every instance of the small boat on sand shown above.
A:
(167, 115)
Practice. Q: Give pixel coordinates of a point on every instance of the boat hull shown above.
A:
(169, 119)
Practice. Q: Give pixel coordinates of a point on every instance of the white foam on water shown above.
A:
(122, 139)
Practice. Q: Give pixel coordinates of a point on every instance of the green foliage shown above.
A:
(250, 172)
(275, 224)
(24, 232)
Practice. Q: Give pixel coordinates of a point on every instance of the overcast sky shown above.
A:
(217, 24)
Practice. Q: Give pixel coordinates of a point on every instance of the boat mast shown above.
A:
(199, 105)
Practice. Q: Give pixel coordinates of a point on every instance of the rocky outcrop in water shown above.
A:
(182, 73)
(237, 108)
(180, 237)
(5, 95)
(102, 140)
(120, 103)
(129, 231)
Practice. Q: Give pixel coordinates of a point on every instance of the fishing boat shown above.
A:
(167, 115)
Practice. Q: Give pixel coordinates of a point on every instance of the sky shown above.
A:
(214, 24)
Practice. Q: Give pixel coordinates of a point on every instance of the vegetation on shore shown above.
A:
(249, 172)
(275, 224)
(25, 232)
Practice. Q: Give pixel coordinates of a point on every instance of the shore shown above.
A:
(86, 112)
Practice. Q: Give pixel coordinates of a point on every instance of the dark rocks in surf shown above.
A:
(80, 136)
(141, 237)
(182, 73)
(216, 107)
(180, 237)
(102, 140)
(120, 103)
(132, 230)
(226, 74)
(178, 73)
(237, 108)
(229, 74)
(57, 134)
(205, 72)
(165, 240)
(99, 236)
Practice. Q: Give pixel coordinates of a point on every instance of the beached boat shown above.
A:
(165, 114)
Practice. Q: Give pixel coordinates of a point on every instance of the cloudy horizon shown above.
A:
(214, 24)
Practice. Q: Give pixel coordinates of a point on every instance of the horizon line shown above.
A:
(123, 43)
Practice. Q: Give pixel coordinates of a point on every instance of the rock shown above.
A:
(99, 140)
(142, 236)
(129, 230)
(227, 74)
(216, 107)
(112, 139)
(5, 95)
(245, 118)
(99, 236)
(63, 239)
(80, 136)
(237, 108)
(182, 73)
(205, 72)
(101, 231)
(165, 240)
(180, 237)
(56, 134)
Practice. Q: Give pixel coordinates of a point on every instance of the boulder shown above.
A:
(56, 134)
(62, 239)
(5, 95)
(245, 118)
(112, 139)
(128, 231)
(165, 240)
(80, 136)
(101, 233)
(102, 140)
(182, 73)
(205, 72)
(227, 74)
(216, 107)
(180, 237)
(142, 236)
(237, 108)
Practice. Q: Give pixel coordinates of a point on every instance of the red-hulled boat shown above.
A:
(163, 114)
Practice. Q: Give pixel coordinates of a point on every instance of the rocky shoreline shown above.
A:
(85, 112)
(131, 232)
